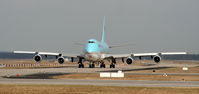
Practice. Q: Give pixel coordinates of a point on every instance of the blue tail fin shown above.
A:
(103, 32)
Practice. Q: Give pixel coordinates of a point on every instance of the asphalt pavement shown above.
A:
(101, 82)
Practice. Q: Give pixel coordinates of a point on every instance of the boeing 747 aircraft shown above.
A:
(96, 52)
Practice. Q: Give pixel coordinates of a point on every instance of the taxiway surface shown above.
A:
(10, 72)
(102, 82)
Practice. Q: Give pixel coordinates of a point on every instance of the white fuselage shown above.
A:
(95, 51)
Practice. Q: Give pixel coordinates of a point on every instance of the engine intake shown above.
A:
(37, 58)
(156, 59)
(60, 60)
(129, 60)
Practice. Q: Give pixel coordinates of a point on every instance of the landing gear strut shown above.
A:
(81, 65)
(113, 63)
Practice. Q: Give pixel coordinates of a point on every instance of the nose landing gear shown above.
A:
(92, 65)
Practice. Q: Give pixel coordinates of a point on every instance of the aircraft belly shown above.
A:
(93, 57)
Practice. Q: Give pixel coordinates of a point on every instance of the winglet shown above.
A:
(103, 32)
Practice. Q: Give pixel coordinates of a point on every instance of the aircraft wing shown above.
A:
(144, 54)
(47, 53)
(118, 55)
(161, 53)
(33, 52)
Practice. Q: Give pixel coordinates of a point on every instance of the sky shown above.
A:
(56, 25)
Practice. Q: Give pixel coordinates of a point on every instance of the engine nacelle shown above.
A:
(156, 59)
(60, 60)
(37, 58)
(129, 60)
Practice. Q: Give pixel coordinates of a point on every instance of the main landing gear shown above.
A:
(113, 63)
(112, 66)
(102, 65)
(81, 65)
(92, 65)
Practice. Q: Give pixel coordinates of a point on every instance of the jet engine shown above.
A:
(129, 60)
(37, 58)
(60, 60)
(156, 59)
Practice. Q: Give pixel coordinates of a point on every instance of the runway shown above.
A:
(38, 78)
(74, 69)
(102, 82)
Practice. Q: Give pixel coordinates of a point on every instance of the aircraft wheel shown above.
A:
(102, 66)
(91, 65)
(112, 66)
(81, 65)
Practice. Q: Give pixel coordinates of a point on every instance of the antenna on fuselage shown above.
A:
(103, 31)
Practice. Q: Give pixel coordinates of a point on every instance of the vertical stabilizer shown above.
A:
(103, 32)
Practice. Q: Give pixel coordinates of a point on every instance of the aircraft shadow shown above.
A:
(50, 75)
(52, 67)
(36, 76)
(139, 69)
(149, 64)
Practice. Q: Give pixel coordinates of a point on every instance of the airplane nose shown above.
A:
(91, 48)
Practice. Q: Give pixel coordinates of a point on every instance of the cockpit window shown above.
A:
(91, 42)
